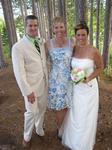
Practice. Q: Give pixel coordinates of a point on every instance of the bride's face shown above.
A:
(81, 37)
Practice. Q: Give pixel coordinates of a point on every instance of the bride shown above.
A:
(79, 127)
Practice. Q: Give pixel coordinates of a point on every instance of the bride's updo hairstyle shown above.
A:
(81, 25)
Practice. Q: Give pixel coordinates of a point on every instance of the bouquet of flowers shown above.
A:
(77, 75)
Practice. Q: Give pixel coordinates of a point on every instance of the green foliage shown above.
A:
(19, 26)
(6, 51)
(110, 52)
(101, 25)
(16, 6)
(108, 69)
(1, 24)
(42, 2)
(101, 36)
(4, 36)
(110, 56)
(3, 32)
(70, 17)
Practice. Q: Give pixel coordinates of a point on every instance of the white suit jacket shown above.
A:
(29, 67)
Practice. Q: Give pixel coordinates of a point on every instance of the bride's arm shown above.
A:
(98, 66)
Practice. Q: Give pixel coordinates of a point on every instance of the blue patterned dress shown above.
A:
(60, 86)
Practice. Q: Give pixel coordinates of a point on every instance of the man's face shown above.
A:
(32, 27)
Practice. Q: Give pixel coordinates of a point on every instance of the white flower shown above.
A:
(77, 75)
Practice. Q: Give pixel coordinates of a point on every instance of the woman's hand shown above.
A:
(86, 80)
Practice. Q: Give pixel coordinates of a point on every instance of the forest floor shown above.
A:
(11, 118)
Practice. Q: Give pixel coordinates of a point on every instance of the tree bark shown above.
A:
(91, 22)
(97, 26)
(22, 12)
(80, 8)
(2, 62)
(106, 32)
(49, 18)
(62, 10)
(34, 7)
(9, 20)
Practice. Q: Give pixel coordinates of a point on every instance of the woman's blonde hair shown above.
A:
(57, 20)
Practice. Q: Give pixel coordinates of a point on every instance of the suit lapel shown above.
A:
(30, 45)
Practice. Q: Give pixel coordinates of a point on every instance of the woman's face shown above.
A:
(81, 37)
(59, 30)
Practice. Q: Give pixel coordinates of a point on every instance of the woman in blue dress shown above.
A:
(59, 50)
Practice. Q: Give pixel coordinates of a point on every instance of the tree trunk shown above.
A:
(97, 26)
(22, 12)
(2, 63)
(80, 8)
(61, 6)
(39, 18)
(49, 17)
(91, 22)
(9, 20)
(62, 10)
(34, 7)
(25, 7)
(54, 10)
(106, 32)
(110, 37)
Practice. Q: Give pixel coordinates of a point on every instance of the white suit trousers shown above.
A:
(34, 116)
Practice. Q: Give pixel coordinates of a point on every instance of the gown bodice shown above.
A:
(86, 64)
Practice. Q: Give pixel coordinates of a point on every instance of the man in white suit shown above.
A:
(29, 65)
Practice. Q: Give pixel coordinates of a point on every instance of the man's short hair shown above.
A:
(30, 17)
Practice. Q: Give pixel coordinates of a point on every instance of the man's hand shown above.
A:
(31, 98)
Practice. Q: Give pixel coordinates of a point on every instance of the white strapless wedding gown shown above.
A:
(79, 128)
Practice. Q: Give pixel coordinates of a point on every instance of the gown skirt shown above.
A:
(79, 127)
